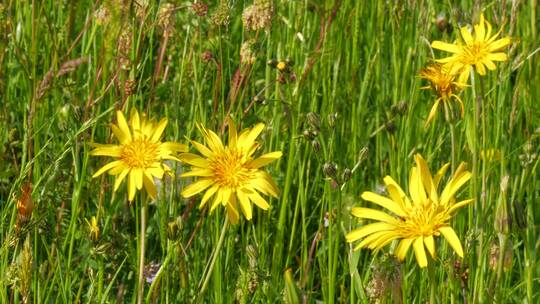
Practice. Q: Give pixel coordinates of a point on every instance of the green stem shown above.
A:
(210, 267)
(432, 282)
(140, 285)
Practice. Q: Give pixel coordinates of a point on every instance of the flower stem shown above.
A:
(432, 282)
(210, 267)
(140, 285)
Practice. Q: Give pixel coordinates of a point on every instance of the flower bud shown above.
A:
(332, 120)
(316, 145)
(174, 228)
(330, 170)
(314, 120)
(347, 173)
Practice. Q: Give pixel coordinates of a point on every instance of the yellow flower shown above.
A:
(416, 220)
(140, 153)
(444, 84)
(490, 154)
(281, 65)
(93, 227)
(479, 50)
(230, 173)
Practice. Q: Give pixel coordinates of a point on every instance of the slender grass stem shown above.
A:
(140, 284)
(210, 267)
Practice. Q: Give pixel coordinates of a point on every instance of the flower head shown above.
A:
(444, 84)
(479, 50)
(230, 173)
(93, 228)
(416, 220)
(140, 153)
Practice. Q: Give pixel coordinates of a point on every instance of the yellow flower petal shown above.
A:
(452, 238)
(138, 177)
(119, 178)
(197, 187)
(233, 137)
(430, 245)
(416, 188)
(194, 160)
(402, 248)
(373, 214)
(466, 35)
(134, 120)
(425, 175)
(245, 204)
(419, 252)
(251, 136)
(107, 150)
(123, 126)
(497, 57)
(367, 230)
(258, 200)
(208, 194)
(499, 44)
(443, 46)
(132, 186)
(149, 185)
(202, 149)
(383, 202)
(198, 172)
(107, 167)
(212, 139)
(232, 213)
(156, 171)
(264, 160)
(158, 132)
(433, 112)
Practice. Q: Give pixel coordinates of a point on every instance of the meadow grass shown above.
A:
(346, 111)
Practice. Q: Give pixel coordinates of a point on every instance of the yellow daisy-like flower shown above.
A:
(230, 173)
(479, 50)
(416, 220)
(140, 153)
(444, 84)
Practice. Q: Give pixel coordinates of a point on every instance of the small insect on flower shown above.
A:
(139, 155)
(416, 220)
(479, 50)
(444, 84)
(230, 173)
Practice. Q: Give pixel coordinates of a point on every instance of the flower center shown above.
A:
(140, 153)
(475, 53)
(229, 170)
(423, 220)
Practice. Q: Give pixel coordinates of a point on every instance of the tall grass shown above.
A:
(349, 99)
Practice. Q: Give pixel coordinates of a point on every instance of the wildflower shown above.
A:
(444, 84)
(229, 172)
(281, 66)
(151, 271)
(247, 54)
(140, 153)
(199, 8)
(479, 50)
(416, 220)
(102, 15)
(222, 15)
(165, 16)
(93, 228)
(258, 15)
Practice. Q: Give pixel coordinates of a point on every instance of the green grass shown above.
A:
(63, 75)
